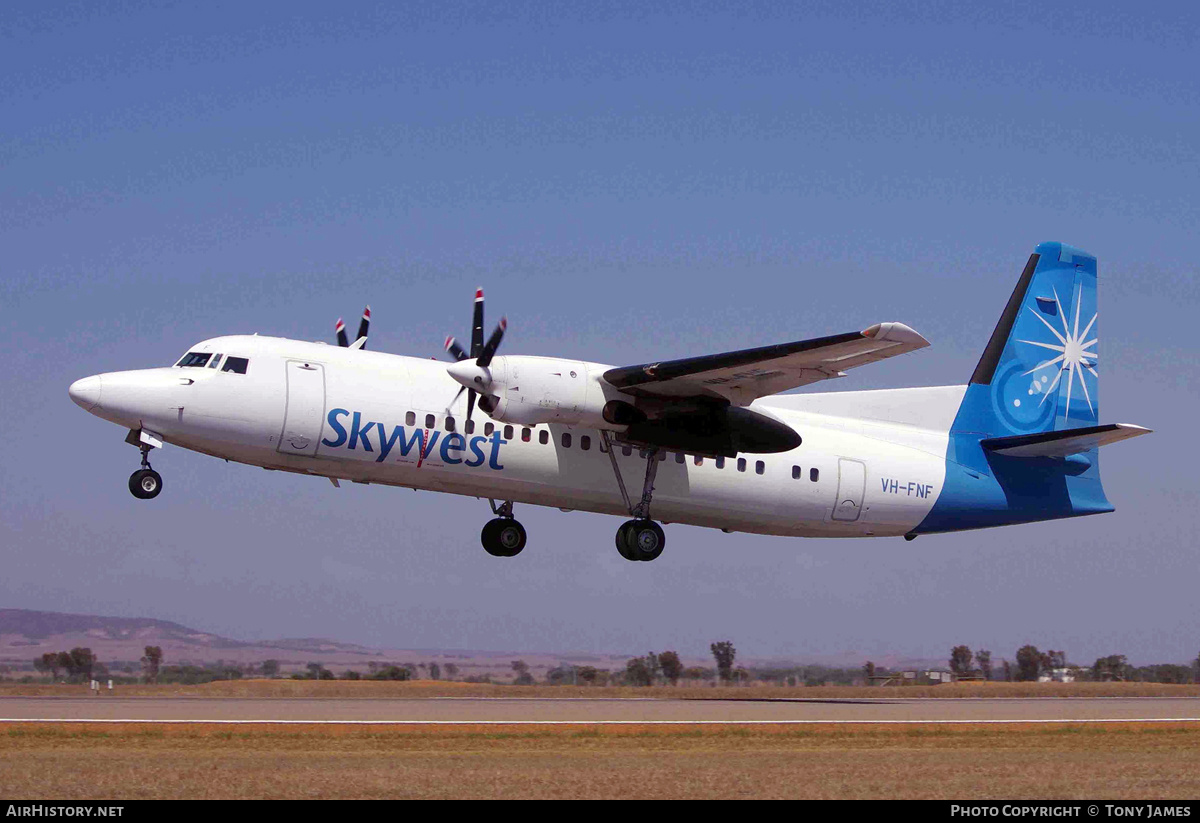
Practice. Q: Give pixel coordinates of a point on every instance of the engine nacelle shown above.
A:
(530, 390)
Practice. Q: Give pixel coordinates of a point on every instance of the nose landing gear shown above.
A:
(145, 483)
(503, 536)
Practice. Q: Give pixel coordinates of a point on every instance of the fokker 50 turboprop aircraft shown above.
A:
(704, 440)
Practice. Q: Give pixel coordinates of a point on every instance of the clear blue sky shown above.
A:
(628, 182)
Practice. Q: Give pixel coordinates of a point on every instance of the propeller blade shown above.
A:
(493, 343)
(450, 405)
(470, 402)
(455, 350)
(477, 325)
(364, 325)
(340, 328)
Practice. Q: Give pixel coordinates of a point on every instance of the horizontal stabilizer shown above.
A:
(1062, 443)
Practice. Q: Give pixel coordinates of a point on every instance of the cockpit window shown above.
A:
(194, 359)
(215, 360)
(237, 365)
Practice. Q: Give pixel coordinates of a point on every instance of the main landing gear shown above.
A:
(145, 483)
(503, 536)
(639, 539)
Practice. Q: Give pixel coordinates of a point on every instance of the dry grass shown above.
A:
(75, 761)
(349, 689)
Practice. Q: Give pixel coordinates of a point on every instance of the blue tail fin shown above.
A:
(1038, 372)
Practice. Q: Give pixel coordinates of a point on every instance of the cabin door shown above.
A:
(305, 408)
(852, 480)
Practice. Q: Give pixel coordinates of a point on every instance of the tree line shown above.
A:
(1032, 664)
(1029, 663)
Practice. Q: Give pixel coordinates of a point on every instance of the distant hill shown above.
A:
(36, 625)
(26, 634)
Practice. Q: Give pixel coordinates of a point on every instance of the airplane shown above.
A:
(711, 439)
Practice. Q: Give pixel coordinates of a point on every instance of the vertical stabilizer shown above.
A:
(1038, 375)
(1039, 370)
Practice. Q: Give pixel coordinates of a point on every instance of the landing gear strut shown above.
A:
(639, 539)
(503, 536)
(145, 483)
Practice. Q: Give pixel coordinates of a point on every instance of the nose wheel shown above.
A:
(145, 483)
(503, 536)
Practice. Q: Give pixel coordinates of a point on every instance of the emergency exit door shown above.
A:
(305, 411)
(852, 480)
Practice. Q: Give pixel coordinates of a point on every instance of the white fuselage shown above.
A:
(871, 463)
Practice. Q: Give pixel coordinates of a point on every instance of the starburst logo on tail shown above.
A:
(1075, 356)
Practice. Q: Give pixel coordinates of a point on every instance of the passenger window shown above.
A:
(721, 462)
(488, 428)
(237, 365)
(410, 419)
(813, 474)
(212, 364)
(449, 424)
(585, 442)
(795, 472)
(525, 434)
(662, 455)
(741, 464)
(627, 450)
(566, 440)
(698, 460)
(430, 421)
(543, 437)
(680, 458)
(760, 467)
(470, 427)
(508, 430)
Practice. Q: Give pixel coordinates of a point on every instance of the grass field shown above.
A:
(73, 761)
(1062, 761)
(343, 689)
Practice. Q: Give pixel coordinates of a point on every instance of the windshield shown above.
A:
(194, 359)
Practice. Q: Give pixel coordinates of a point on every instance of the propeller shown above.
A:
(475, 377)
(364, 325)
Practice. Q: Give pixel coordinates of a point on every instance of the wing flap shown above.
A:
(1062, 443)
(742, 376)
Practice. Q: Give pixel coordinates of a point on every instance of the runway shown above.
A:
(585, 711)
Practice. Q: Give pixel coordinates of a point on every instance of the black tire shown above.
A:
(145, 484)
(623, 540)
(647, 540)
(503, 537)
(491, 544)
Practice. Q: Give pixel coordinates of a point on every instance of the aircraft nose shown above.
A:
(86, 392)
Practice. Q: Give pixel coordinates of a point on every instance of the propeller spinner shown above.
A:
(475, 378)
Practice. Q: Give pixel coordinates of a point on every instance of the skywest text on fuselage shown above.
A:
(453, 444)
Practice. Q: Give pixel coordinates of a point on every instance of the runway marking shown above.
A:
(597, 722)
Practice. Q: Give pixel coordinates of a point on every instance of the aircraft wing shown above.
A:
(742, 376)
